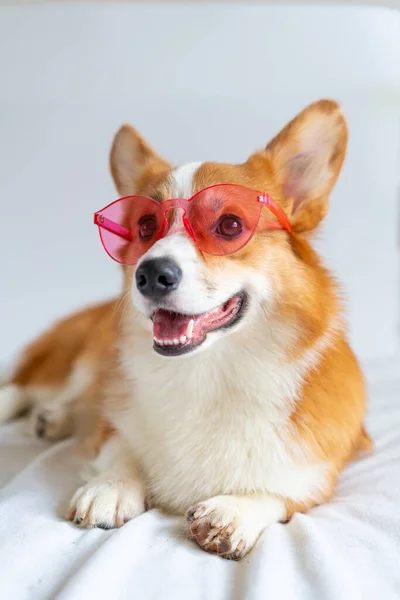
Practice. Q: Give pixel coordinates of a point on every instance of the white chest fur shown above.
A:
(214, 423)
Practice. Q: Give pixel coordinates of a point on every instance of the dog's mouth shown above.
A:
(175, 333)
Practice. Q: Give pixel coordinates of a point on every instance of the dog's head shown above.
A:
(188, 298)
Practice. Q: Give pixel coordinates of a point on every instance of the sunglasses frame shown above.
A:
(175, 203)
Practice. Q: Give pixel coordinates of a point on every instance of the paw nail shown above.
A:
(40, 431)
(71, 514)
(216, 524)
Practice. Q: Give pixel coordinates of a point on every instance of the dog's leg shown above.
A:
(13, 401)
(113, 497)
(52, 421)
(230, 525)
(53, 414)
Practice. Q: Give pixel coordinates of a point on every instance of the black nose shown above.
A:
(157, 277)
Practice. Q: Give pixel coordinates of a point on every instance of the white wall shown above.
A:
(200, 82)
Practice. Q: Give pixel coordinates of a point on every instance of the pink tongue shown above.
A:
(168, 325)
(173, 326)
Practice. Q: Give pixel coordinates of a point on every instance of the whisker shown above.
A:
(271, 330)
(122, 306)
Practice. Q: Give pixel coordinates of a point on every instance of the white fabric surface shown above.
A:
(347, 549)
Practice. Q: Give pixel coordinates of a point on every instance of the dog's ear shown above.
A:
(130, 159)
(306, 158)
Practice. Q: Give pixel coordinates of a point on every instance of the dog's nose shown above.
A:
(157, 277)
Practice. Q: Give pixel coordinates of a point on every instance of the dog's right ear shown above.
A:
(306, 158)
(130, 159)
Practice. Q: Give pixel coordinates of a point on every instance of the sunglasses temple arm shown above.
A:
(112, 227)
(276, 211)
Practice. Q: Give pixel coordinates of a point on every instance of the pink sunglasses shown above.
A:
(220, 219)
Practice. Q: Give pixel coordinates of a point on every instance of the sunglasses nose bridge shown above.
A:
(176, 204)
(170, 214)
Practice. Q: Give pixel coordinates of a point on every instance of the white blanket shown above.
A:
(348, 549)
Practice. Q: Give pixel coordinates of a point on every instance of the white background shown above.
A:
(200, 82)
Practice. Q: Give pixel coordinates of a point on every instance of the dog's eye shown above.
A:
(147, 227)
(229, 226)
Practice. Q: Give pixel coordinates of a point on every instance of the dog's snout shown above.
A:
(158, 277)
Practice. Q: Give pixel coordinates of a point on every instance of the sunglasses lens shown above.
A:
(129, 227)
(223, 218)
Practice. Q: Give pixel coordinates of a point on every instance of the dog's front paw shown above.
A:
(218, 526)
(51, 422)
(106, 503)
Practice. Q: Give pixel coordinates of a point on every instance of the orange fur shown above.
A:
(48, 359)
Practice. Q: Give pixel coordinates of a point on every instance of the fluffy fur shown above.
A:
(258, 421)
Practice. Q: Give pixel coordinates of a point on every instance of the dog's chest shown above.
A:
(199, 431)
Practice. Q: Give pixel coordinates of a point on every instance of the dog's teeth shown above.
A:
(174, 342)
(189, 330)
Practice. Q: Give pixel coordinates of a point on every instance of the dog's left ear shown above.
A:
(131, 158)
(306, 158)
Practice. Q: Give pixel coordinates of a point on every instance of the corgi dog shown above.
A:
(233, 398)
